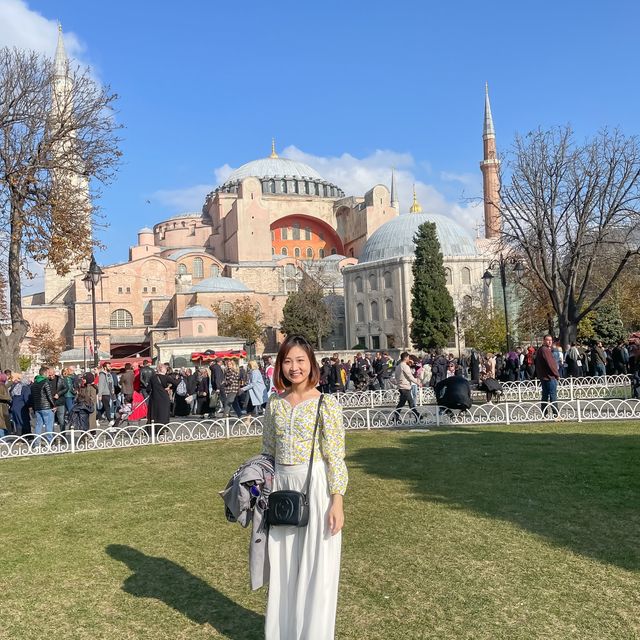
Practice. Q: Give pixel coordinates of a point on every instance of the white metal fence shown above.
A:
(355, 419)
(603, 387)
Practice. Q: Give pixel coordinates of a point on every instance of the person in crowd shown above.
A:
(159, 400)
(511, 366)
(474, 365)
(620, 357)
(91, 393)
(126, 382)
(83, 407)
(451, 369)
(558, 356)
(20, 392)
(490, 366)
(337, 385)
(146, 372)
(302, 602)
(58, 387)
(106, 391)
(599, 358)
(182, 400)
(43, 401)
(325, 376)
(201, 391)
(491, 387)
(70, 389)
(231, 388)
(530, 363)
(268, 371)
(635, 385)
(5, 406)
(548, 374)
(256, 388)
(218, 396)
(573, 362)
(404, 380)
(439, 365)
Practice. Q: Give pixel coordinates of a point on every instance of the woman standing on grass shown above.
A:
(305, 561)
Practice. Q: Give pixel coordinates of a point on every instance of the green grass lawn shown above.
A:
(514, 532)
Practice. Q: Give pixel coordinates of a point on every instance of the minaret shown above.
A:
(416, 207)
(395, 203)
(73, 181)
(490, 174)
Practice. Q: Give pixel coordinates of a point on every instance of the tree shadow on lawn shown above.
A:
(172, 584)
(580, 491)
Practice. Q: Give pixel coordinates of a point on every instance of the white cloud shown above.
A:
(183, 200)
(24, 28)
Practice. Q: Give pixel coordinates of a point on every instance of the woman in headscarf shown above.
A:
(20, 393)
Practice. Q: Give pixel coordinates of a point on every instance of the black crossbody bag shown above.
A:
(291, 508)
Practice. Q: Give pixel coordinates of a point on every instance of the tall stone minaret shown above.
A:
(490, 174)
(395, 203)
(71, 181)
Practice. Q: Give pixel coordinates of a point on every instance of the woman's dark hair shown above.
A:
(279, 381)
(83, 395)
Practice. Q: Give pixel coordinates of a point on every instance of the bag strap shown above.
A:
(313, 446)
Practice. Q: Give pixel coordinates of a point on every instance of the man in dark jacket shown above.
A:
(43, 403)
(218, 395)
(146, 372)
(126, 382)
(547, 372)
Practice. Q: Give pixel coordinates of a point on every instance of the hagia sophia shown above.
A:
(272, 220)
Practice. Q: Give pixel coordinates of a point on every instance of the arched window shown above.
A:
(333, 251)
(373, 282)
(226, 307)
(360, 312)
(465, 275)
(182, 269)
(309, 252)
(272, 186)
(200, 328)
(283, 186)
(307, 233)
(321, 253)
(214, 271)
(317, 189)
(283, 233)
(358, 283)
(306, 187)
(387, 280)
(447, 276)
(296, 231)
(388, 309)
(283, 251)
(296, 252)
(147, 315)
(374, 311)
(121, 319)
(198, 268)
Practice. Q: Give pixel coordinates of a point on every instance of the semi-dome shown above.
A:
(395, 238)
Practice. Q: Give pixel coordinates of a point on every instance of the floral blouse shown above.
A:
(287, 433)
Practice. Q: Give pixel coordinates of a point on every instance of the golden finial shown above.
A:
(415, 207)
(273, 148)
(59, 26)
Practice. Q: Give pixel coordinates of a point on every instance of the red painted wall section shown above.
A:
(311, 238)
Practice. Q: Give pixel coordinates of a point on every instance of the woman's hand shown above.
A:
(336, 514)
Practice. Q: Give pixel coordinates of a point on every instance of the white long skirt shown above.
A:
(305, 564)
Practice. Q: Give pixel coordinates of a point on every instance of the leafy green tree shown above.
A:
(305, 312)
(242, 319)
(607, 324)
(484, 331)
(431, 304)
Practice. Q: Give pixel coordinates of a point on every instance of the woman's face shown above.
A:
(296, 366)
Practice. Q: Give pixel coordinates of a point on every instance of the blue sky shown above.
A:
(351, 87)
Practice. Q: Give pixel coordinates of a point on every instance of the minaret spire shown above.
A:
(395, 203)
(490, 167)
(273, 148)
(61, 62)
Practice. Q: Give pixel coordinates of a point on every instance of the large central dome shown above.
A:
(395, 238)
(274, 168)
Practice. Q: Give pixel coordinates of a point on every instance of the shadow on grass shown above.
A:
(172, 584)
(579, 491)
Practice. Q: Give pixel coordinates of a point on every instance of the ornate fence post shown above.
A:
(153, 432)
(437, 415)
(73, 439)
(579, 410)
(571, 388)
(368, 417)
(372, 396)
(519, 392)
(506, 412)
(227, 429)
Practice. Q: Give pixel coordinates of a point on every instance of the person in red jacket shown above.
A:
(547, 373)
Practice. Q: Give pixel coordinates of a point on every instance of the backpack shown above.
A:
(181, 389)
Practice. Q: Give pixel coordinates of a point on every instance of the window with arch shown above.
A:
(321, 253)
(214, 271)
(465, 275)
(147, 314)
(358, 283)
(198, 268)
(200, 328)
(374, 311)
(333, 251)
(467, 302)
(388, 283)
(307, 233)
(317, 189)
(226, 307)
(309, 252)
(283, 186)
(360, 312)
(447, 276)
(306, 188)
(373, 282)
(290, 277)
(121, 319)
(271, 187)
(296, 252)
(182, 269)
(388, 309)
(296, 231)
(283, 233)
(284, 251)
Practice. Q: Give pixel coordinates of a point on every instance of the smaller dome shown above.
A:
(198, 311)
(145, 230)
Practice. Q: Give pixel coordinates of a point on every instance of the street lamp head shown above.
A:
(487, 277)
(95, 272)
(87, 282)
(519, 270)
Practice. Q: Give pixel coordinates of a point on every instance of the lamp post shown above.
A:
(518, 270)
(91, 280)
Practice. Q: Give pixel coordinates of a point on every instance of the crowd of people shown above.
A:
(101, 398)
